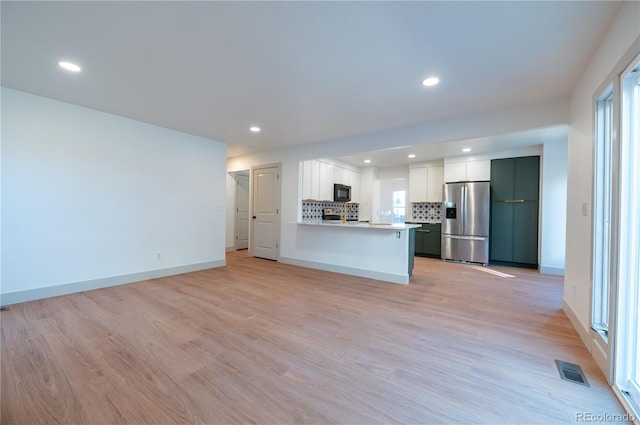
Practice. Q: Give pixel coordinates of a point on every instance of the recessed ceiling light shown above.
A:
(255, 129)
(367, 161)
(431, 81)
(466, 150)
(69, 66)
(251, 147)
(412, 155)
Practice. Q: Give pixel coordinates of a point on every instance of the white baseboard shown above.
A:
(599, 352)
(387, 277)
(70, 288)
(584, 333)
(230, 248)
(552, 270)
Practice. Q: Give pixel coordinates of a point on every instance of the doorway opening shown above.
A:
(242, 210)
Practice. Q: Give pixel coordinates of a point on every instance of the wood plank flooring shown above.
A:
(262, 343)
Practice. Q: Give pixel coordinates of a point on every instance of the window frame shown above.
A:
(604, 188)
(402, 206)
(627, 347)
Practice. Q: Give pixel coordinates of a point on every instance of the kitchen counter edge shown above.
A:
(357, 225)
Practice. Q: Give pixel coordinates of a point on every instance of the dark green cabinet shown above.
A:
(515, 188)
(501, 238)
(412, 248)
(428, 240)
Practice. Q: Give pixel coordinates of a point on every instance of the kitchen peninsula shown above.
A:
(383, 252)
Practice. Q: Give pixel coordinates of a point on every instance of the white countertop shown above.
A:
(359, 225)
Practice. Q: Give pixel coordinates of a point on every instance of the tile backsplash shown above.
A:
(427, 212)
(312, 210)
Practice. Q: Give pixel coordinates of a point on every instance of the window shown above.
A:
(628, 343)
(602, 212)
(399, 206)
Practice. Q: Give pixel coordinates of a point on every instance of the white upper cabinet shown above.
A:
(435, 179)
(340, 175)
(326, 181)
(467, 171)
(354, 182)
(479, 170)
(425, 183)
(311, 179)
(455, 172)
(318, 178)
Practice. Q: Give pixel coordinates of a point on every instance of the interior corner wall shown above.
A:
(621, 40)
(92, 199)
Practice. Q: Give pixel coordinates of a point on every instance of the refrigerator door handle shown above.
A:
(468, 238)
(465, 209)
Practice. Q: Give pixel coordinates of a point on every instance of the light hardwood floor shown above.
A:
(263, 343)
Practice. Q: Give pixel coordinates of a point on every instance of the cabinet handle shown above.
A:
(424, 231)
(514, 201)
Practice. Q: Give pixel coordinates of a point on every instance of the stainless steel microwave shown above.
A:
(341, 193)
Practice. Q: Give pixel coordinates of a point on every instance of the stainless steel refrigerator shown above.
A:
(465, 229)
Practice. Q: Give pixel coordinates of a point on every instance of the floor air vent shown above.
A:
(571, 372)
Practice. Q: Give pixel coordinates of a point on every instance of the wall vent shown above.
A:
(571, 372)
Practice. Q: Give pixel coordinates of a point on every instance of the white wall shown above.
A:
(89, 199)
(553, 207)
(618, 42)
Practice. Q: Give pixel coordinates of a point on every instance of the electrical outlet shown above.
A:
(585, 209)
(158, 256)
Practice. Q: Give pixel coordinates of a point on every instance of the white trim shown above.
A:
(387, 277)
(552, 270)
(600, 353)
(584, 333)
(626, 405)
(230, 249)
(70, 288)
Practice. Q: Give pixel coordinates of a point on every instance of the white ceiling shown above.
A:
(398, 156)
(303, 71)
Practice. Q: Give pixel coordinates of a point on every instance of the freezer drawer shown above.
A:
(474, 249)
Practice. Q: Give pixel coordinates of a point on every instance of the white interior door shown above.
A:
(266, 212)
(242, 210)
